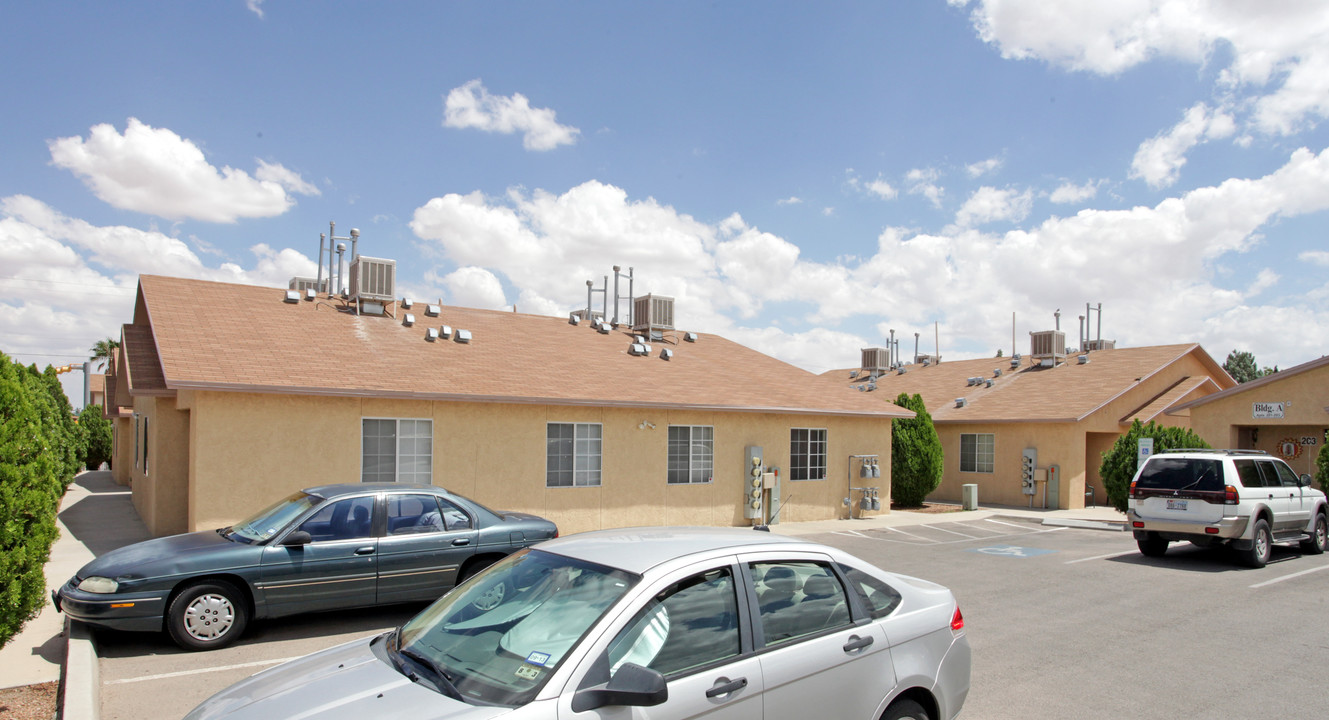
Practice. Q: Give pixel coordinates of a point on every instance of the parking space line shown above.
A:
(851, 533)
(1289, 577)
(199, 671)
(1100, 557)
(999, 522)
(938, 527)
(920, 538)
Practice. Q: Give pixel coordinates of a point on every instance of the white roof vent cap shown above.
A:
(292, 296)
(463, 336)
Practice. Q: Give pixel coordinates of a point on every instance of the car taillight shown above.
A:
(1230, 496)
(1132, 492)
(957, 620)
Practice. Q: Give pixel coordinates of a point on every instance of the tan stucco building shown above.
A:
(228, 397)
(1286, 414)
(989, 411)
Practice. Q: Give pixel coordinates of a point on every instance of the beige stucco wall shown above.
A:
(122, 454)
(246, 450)
(160, 494)
(1228, 422)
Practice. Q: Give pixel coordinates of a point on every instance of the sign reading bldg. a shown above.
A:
(1267, 411)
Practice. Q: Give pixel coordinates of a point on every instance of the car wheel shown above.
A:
(1315, 544)
(1152, 545)
(1261, 546)
(207, 615)
(905, 709)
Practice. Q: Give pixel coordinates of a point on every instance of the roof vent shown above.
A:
(432, 310)
(1083, 359)
(975, 381)
(996, 372)
(902, 370)
(574, 319)
(638, 349)
(310, 294)
(961, 402)
(373, 279)
(853, 374)
(652, 312)
(1015, 362)
(666, 354)
(603, 328)
(987, 383)
(445, 331)
(408, 319)
(690, 337)
(927, 361)
(657, 336)
(407, 303)
(463, 336)
(431, 334)
(292, 296)
(1047, 362)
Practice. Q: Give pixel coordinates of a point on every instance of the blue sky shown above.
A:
(802, 177)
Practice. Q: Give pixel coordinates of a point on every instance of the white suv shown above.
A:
(1244, 499)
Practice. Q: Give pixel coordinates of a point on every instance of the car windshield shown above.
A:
(273, 518)
(498, 637)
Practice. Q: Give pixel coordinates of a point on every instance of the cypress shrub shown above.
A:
(916, 455)
(98, 432)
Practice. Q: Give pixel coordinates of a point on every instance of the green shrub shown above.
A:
(1121, 462)
(916, 455)
(1322, 467)
(40, 446)
(98, 432)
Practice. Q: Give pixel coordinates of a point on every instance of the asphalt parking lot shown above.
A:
(1064, 622)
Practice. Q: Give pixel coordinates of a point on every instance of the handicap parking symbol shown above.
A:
(1013, 551)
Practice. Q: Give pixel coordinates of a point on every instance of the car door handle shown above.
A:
(724, 686)
(366, 550)
(857, 643)
(461, 541)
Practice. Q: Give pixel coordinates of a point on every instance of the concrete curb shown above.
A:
(1085, 524)
(80, 681)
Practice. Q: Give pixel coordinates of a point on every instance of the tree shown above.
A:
(1322, 467)
(39, 448)
(98, 430)
(104, 349)
(1241, 366)
(916, 455)
(1121, 462)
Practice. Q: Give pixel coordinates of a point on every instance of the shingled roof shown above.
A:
(1068, 392)
(226, 337)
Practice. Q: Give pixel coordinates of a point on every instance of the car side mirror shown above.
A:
(1305, 480)
(296, 538)
(631, 685)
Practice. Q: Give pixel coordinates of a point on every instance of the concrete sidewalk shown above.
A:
(96, 515)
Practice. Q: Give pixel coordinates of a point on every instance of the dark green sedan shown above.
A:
(324, 548)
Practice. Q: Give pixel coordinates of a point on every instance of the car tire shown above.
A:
(905, 709)
(1315, 544)
(1152, 545)
(207, 615)
(1262, 545)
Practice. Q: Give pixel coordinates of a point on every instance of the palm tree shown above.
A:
(104, 349)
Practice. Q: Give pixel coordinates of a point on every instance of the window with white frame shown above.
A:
(807, 454)
(976, 452)
(572, 455)
(691, 454)
(397, 450)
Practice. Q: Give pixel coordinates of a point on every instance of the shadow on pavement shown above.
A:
(104, 519)
(1183, 556)
(364, 621)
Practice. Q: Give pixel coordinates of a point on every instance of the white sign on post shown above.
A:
(1267, 411)
(1145, 449)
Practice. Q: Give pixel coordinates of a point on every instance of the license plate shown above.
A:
(1176, 504)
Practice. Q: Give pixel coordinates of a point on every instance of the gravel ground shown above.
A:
(28, 702)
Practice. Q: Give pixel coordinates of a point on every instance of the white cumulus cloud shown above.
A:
(989, 204)
(155, 171)
(1159, 160)
(471, 106)
(1068, 192)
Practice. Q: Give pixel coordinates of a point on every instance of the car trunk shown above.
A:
(1176, 489)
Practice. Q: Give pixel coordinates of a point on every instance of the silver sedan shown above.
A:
(645, 623)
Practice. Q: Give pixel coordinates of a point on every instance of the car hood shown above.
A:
(347, 682)
(173, 555)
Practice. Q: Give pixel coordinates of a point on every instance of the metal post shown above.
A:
(341, 252)
(318, 282)
(915, 347)
(890, 350)
(589, 285)
(632, 301)
(616, 273)
(1100, 324)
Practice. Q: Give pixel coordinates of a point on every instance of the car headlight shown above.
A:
(96, 584)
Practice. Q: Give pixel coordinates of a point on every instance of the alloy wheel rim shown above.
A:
(209, 616)
(1262, 544)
